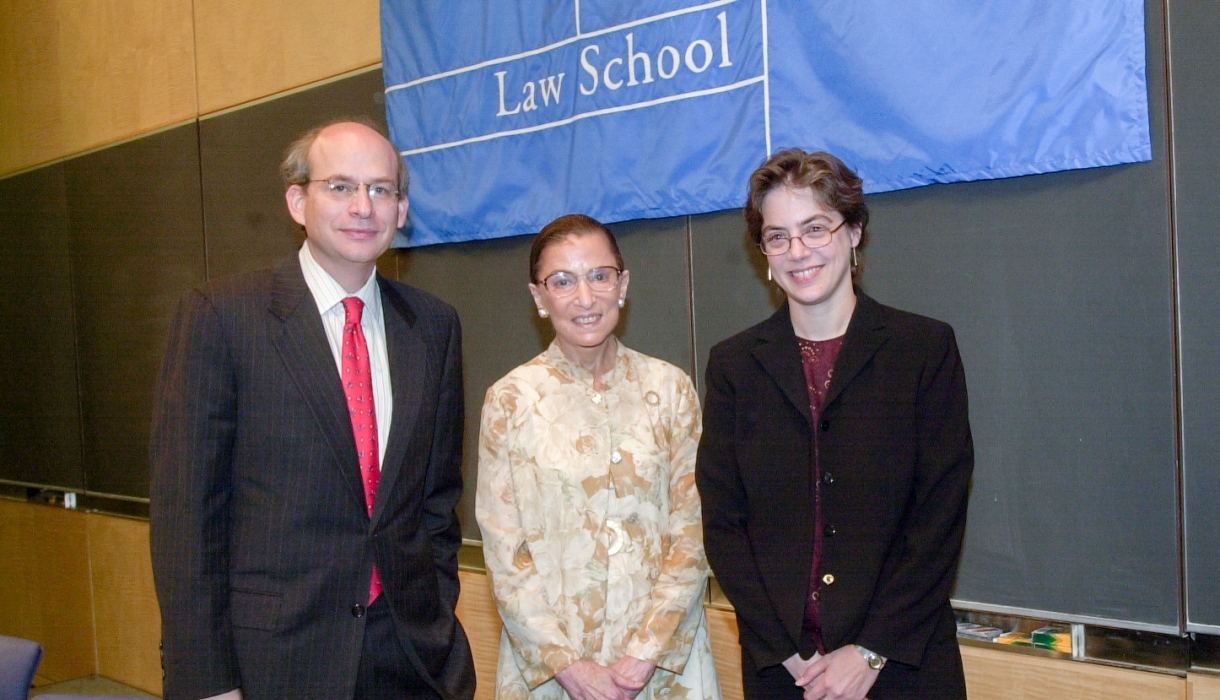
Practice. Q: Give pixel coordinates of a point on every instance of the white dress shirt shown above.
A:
(329, 296)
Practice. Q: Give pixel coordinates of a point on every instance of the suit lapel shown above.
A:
(407, 354)
(302, 344)
(780, 357)
(865, 335)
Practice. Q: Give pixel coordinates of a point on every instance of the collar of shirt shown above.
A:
(554, 355)
(328, 293)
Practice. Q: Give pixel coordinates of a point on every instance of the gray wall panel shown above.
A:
(1196, 115)
(486, 282)
(1058, 287)
(246, 219)
(729, 273)
(40, 416)
(137, 245)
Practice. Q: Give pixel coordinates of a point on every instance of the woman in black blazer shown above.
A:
(835, 463)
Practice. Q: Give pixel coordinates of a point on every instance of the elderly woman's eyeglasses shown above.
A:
(814, 236)
(341, 190)
(600, 279)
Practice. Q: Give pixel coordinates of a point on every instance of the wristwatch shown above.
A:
(874, 661)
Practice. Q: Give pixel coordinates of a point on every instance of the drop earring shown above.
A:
(854, 263)
(542, 313)
(622, 303)
(768, 273)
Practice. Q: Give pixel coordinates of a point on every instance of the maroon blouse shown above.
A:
(818, 360)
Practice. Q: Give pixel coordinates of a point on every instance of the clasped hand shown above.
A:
(840, 675)
(622, 680)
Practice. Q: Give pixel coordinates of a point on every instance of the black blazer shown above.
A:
(261, 541)
(896, 455)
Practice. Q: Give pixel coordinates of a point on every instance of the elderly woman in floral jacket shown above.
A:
(586, 497)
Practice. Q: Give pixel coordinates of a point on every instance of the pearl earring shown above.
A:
(542, 313)
(622, 303)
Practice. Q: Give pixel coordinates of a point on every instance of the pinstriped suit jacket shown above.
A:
(261, 541)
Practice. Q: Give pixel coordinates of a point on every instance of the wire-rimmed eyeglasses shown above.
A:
(564, 283)
(381, 192)
(814, 236)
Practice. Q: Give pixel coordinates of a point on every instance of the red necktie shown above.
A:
(358, 387)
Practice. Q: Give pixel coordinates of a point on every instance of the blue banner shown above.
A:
(513, 112)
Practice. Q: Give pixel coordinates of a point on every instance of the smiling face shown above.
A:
(347, 237)
(585, 319)
(810, 277)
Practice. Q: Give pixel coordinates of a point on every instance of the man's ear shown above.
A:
(403, 207)
(295, 197)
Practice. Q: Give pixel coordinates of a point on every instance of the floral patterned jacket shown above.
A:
(592, 528)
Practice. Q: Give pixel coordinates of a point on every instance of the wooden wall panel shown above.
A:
(77, 74)
(44, 586)
(1201, 687)
(249, 49)
(29, 84)
(722, 627)
(1003, 675)
(477, 612)
(126, 67)
(126, 614)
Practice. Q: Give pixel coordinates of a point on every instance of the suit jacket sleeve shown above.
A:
(192, 445)
(725, 515)
(443, 487)
(918, 572)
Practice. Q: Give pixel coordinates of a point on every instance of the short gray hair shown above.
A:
(295, 166)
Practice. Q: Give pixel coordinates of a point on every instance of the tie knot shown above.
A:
(352, 308)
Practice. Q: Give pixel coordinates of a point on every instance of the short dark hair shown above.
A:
(561, 228)
(832, 182)
(295, 166)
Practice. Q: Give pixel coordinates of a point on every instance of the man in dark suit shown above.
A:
(304, 537)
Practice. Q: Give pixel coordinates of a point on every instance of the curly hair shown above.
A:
(832, 182)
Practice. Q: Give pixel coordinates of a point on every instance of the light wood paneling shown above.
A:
(477, 612)
(125, 602)
(1001, 675)
(1201, 687)
(249, 49)
(722, 627)
(126, 67)
(77, 74)
(44, 586)
(29, 84)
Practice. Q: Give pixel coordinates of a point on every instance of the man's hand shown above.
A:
(585, 680)
(632, 674)
(796, 665)
(234, 694)
(843, 674)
